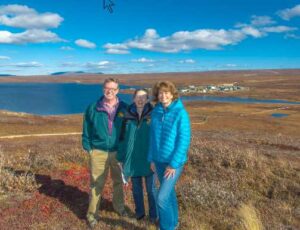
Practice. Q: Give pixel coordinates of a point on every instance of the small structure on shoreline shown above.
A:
(212, 88)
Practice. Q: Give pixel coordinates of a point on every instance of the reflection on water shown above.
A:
(279, 115)
(69, 98)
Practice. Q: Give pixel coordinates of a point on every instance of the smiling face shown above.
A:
(140, 99)
(110, 90)
(165, 97)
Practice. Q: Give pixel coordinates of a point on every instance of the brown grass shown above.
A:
(242, 173)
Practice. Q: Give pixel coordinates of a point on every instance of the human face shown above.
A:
(110, 90)
(140, 99)
(165, 97)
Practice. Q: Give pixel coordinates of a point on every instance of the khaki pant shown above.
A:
(100, 163)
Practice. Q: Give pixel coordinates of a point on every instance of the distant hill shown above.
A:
(6, 75)
(72, 73)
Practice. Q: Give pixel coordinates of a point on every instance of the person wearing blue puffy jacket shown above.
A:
(170, 135)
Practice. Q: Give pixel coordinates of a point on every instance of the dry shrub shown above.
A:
(249, 218)
(226, 171)
(208, 195)
(15, 181)
(38, 160)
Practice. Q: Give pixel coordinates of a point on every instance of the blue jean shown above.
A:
(166, 198)
(138, 196)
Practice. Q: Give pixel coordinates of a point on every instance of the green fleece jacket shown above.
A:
(95, 134)
(134, 142)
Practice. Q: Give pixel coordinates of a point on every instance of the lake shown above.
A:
(279, 115)
(70, 98)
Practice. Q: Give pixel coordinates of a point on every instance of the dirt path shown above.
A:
(61, 134)
(38, 135)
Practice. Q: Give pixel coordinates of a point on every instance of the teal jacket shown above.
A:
(170, 134)
(95, 134)
(134, 142)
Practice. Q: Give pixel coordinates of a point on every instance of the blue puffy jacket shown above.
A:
(170, 134)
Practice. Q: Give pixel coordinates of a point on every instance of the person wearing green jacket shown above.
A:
(133, 151)
(100, 137)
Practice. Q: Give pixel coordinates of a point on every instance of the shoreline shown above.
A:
(262, 84)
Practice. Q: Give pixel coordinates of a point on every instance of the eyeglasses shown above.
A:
(110, 89)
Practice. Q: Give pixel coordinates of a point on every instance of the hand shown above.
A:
(152, 166)
(169, 173)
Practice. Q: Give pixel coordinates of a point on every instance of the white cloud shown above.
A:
(28, 36)
(249, 30)
(66, 48)
(278, 29)
(181, 41)
(117, 51)
(187, 61)
(260, 26)
(24, 64)
(261, 20)
(4, 58)
(231, 65)
(116, 48)
(143, 60)
(24, 17)
(98, 65)
(70, 64)
(289, 13)
(209, 39)
(28, 64)
(294, 36)
(36, 25)
(85, 43)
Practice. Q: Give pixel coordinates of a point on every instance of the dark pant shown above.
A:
(138, 196)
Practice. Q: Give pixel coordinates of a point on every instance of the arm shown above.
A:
(150, 150)
(121, 144)
(86, 132)
(183, 140)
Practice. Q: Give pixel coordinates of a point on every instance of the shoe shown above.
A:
(154, 221)
(141, 217)
(123, 213)
(92, 224)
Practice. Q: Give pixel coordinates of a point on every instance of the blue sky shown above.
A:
(46, 36)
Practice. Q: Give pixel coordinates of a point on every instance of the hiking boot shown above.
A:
(154, 221)
(123, 213)
(92, 224)
(140, 217)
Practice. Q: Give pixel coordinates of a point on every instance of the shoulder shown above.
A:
(123, 105)
(91, 107)
(157, 109)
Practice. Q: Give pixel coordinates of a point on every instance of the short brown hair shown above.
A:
(107, 80)
(166, 86)
(143, 90)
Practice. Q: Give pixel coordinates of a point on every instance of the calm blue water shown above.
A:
(279, 115)
(50, 98)
(69, 98)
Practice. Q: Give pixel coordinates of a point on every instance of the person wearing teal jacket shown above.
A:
(133, 150)
(100, 137)
(170, 135)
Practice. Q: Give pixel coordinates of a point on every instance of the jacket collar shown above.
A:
(132, 110)
(100, 104)
(175, 104)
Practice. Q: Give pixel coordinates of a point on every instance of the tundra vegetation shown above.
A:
(243, 170)
(242, 173)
